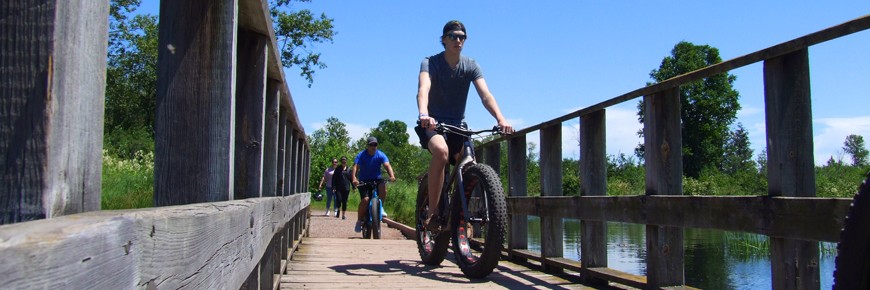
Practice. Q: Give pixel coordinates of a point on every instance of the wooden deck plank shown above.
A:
(323, 263)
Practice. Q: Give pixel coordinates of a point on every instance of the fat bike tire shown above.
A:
(853, 260)
(431, 245)
(487, 220)
(366, 230)
(375, 213)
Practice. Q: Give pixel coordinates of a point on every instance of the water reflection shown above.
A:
(714, 259)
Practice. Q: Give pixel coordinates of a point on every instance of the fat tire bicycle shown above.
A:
(472, 207)
(853, 260)
(371, 224)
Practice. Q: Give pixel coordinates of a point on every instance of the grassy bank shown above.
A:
(127, 183)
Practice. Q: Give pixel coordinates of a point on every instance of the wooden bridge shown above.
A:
(232, 164)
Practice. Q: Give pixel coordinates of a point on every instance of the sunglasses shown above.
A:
(454, 36)
(334, 161)
(373, 145)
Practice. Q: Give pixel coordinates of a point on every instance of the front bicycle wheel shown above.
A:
(375, 216)
(853, 259)
(431, 245)
(478, 237)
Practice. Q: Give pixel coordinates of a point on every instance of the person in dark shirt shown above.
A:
(342, 186)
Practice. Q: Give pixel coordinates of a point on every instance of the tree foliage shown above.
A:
(327, 143)
(708, 106)
(738, 155)
(854, 146)
(296, 32)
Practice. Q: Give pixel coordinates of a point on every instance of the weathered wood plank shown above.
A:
(289, 164)
(270, 142)
(593, 181)
(790, 170)
(551, 185)
(202, 246)
(193, 134)
(52, 88)
(250, 114)
(812, 219)
(518, 225)
(282, 152)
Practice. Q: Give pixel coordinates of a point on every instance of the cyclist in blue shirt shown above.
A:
(368, 163)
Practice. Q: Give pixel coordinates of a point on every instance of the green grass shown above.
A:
(127, 183)
(401, 199)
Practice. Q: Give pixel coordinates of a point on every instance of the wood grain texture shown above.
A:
(289, 162)
(811, 219)
(202, 246)
(593, 181)
(518, 225)
(52, 83)
(790, 170)
(551, 185)
(195, 102)
(282, 153)
(250, 114)
(270, 139)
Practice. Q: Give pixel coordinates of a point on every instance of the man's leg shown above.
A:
(438, 148)
(363, 203)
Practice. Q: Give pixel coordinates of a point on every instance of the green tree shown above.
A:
(738, 155)
(854, 146)
(331, 141)
(297, 31)
(708, 106)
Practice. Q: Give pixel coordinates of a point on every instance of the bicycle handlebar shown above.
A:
(442, 128)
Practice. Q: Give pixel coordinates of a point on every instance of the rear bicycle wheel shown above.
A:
(375, 215)
(431, 245)
(366, 228)
(853, 260)
(478, 237)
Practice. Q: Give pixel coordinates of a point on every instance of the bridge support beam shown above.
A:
(193, 134)
(251, 60)
(518, 185)
(790, 170)
(593, 180)
(52, 88)
(664, 173)
(551, 185)
(270, 139)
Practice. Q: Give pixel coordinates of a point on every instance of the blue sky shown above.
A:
(544, 59)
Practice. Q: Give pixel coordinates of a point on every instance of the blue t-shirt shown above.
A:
(448, 92)
(370, 165)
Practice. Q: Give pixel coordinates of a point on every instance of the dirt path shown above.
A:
(332, 227)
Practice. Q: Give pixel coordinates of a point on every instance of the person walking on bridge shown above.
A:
(327, 177)
(368, 163)
(341, 184)
(442, 94)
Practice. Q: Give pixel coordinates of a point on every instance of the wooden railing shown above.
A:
(790, 214)
(231, 157)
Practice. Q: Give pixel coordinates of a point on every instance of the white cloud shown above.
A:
(622, 127)
(748, 111)
(828, 140)
(353, 130)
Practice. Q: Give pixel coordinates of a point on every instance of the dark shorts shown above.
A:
(454, 142)
(367, 190)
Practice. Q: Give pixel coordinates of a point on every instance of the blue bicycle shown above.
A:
(371, 225)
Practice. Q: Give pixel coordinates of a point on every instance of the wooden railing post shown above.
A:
(664, 173)
(790, 170)
(282, 152)
(593, 180)
(193, 160)
(270, 135)
(290, 151)
(518, 228)
(300, 157)
(551, 185)
(250, 113)
(52, 98)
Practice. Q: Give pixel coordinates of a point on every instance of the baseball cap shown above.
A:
(373, 140)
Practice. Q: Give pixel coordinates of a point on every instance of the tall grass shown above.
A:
(399, 205)
(127, 183)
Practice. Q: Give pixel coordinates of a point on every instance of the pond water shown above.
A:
(713, 259)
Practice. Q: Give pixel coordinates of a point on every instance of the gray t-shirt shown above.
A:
(449, 91)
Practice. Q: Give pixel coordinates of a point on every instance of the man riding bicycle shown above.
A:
(368, 163)
(442, 94)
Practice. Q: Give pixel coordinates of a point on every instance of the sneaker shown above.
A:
(327, 213)
(337, 213)
(358, 227)
(433, 223)
(344, 217)
(383, 212)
